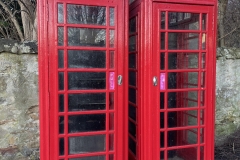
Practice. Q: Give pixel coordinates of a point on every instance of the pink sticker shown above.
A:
(111, 80)
(162, 81)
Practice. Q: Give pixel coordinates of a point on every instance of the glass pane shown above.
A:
(202, 98)
(87, 101)
(162, 100)
(132, 78)
(190, 135)
(112, 16)
(132, 128)
(132, 145)
(204, 21)
(132, 111)
(96, 143)
(183, 99)
(60, 36)
(61, 80)
(204, 41)
(61, 103)
(132, 95)
(111, 59)
(203, 79)
(86, 80)
(132, 61)
(86, 123)
(131, 1)
(162, 61)
(60, 13)
(203, 60)
(162, 41)
(86, 59)
(162, 120)
(163, 19)
(162, 140)
(112, 37)
(61, 146)
(111, 157)
(183, 154)
(61, 125)
(82, 14)
(111, 101)
(202, 135)
(86, 37)
(183, 21)
(60, 59)
(162, 155)
(132, 43)
(133, 25)
(202, 114)
(90, 158)
(201, 153)
(182, 118)
(111, 142)
(111, 121)
(183, 60)
(184, 79)
(183, 41)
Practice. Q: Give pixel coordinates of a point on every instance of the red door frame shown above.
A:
(48, 84)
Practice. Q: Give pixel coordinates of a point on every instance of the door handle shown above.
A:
(155, 81)
(120, 80)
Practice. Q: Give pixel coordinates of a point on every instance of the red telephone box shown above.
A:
(127, 79)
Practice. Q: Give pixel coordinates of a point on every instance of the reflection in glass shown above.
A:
(133, 25)
(183, 21)
(111, 142)
(86, 101)
(183, 60)
(82, 14)
(111, 121)
(191, 137)
(112, 16)
(111, 59)
(86, 123)
(132, 43)
(163, 19)
(182, 118)
(182, 99)
(60, 13)
(86, 37)
(86, 59)
(203, 60)
(60, 36)
(86, 80)
(61, 81)
(188, 80)
(162, 40)
(96, 143)
(61, 146)
(204, 21)
(132, 60)
(60, 59)
(183, 41)
(112, 37)
(111, 101)
(90, 158)
(61, 125)
(184, 152)
(204, 38)
(61, 103)
(162, 155)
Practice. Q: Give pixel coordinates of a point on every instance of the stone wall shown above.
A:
(19, 116)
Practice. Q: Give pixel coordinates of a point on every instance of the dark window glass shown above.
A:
(61, 103)
(132, 112)
(132, 128)
(132, 78)
(132, 95)
(132, 60)
(61, 80)
(61, 146)
(132, 145)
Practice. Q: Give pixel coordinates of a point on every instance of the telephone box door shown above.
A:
(183, 66)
